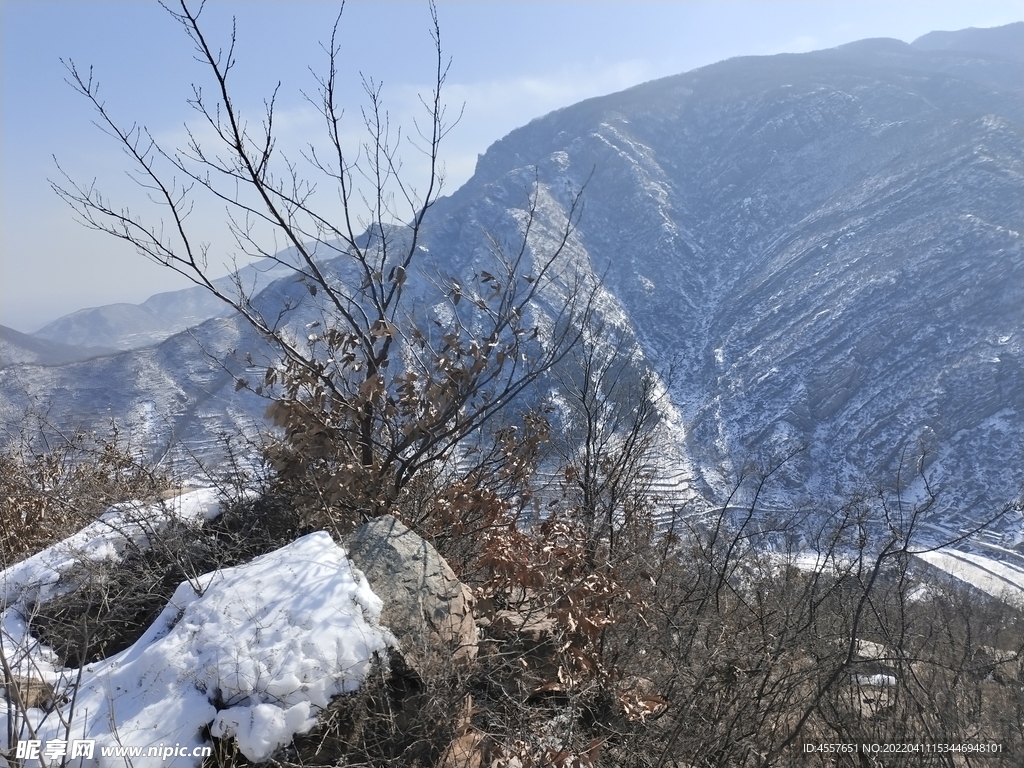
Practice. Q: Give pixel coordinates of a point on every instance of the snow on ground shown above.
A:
(815, 562)
(998, 578)
(251, 652)
(878, 681)
(1002, 578)
(122, 526)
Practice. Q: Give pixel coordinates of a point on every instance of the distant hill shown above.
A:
(132, 326)
(121, 326)
(18, 348)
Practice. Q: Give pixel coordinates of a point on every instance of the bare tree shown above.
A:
(610, 436)
(374, 393)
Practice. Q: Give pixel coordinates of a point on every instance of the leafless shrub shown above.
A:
(51, 488)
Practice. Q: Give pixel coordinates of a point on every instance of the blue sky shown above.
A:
(511, 62)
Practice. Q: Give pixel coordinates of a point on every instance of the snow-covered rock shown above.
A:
(250, 653)
(40, 577)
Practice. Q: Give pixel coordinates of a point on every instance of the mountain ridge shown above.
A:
(1006, 41)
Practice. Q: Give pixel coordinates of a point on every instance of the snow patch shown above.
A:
(38, 578)
(878, 681)
(999, 579)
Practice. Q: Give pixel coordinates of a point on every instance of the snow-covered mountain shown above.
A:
(827, 244)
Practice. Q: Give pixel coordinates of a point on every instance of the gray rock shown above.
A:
(425, 605)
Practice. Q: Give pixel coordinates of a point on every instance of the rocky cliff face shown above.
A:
(829, 245)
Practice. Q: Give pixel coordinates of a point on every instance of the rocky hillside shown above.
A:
(829, 245)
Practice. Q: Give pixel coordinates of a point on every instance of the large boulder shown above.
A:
(425, 605)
